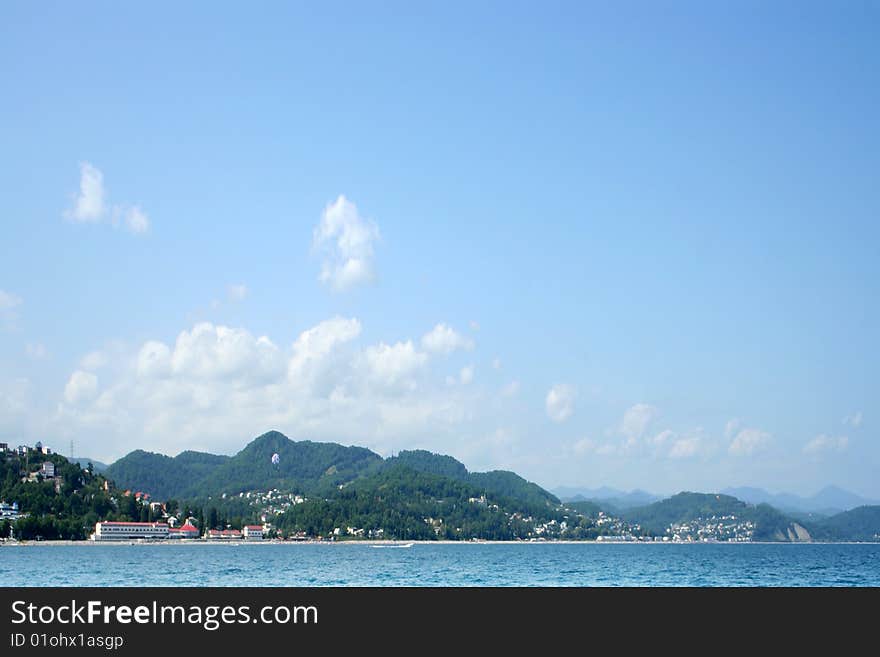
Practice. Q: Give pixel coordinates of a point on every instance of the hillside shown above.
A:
(163, 476)
(65, 506)
(303, 467)
(498, 483)
(770, 524)
(859, 524)
(409, 504)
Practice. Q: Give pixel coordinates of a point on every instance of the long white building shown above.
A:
(126, 531)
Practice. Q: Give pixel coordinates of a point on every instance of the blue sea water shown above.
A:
(465, 564)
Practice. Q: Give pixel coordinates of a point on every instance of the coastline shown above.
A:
(400, 543)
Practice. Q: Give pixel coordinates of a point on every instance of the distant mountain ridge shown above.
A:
(606, 497)
(828, 501)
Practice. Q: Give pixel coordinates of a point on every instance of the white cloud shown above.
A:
(584, 446)
(94, 360)
(635, 422)
(474, 324)
(237, 292)
(824, 443)
(443, 339)
(685, 447)
(662, 438)
(748, 441)
(136, 220)
(731, 427)
(392, 364)
(36, 351)
(154, 360)
(496, 363)
(559, 402)
(209, 351)
(466, 375)
(8, 301)
(854, 420)
(88, 205)
(81, 387)
(216, 387)
(8, 304)
(510, 389)
(346, 239)
(317, 343)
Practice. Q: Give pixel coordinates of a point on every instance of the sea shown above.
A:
(443, 564)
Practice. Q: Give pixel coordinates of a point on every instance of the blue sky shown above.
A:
(632, 246)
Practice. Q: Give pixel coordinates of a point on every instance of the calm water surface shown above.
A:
(585, 564)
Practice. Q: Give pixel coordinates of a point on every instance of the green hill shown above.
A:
(425, 461)
(309, 468)
(770, 524)
(498, 483)
(163, 476)
(859, 524)
(410, 504)
(303, 467)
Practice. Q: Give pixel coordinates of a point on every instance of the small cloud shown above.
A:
(93, 360)
(584, 446)
(466, 375)
(685, 447)
(510, 389)
(748, 441)
(635, 422)
(662, 438)
(8, 305)
(731, 427)
(496, 363)
(237, 292)
(346, 239)
(559, 402)
(136, 220)
(36, 351)
(8, 301)
(88, 204)
(474, 324)
(444, 339)
(823, 443)
(854, 420)
(82, 387)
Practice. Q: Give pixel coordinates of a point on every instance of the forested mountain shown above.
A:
(323, 489)
(64, 506)
(770, 524)
(499, 483)
(410, 504)
(303, 467)
(859, 524)
(163, 476)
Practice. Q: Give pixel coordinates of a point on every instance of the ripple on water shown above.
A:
(443, 565)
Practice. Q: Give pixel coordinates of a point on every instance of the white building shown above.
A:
(253, 532)
(48, 470)
(126, 531)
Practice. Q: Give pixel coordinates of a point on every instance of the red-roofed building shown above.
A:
(186, 531)
(223, 534)
(253, 532)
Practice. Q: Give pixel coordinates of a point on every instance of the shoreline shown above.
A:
(400, 543)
